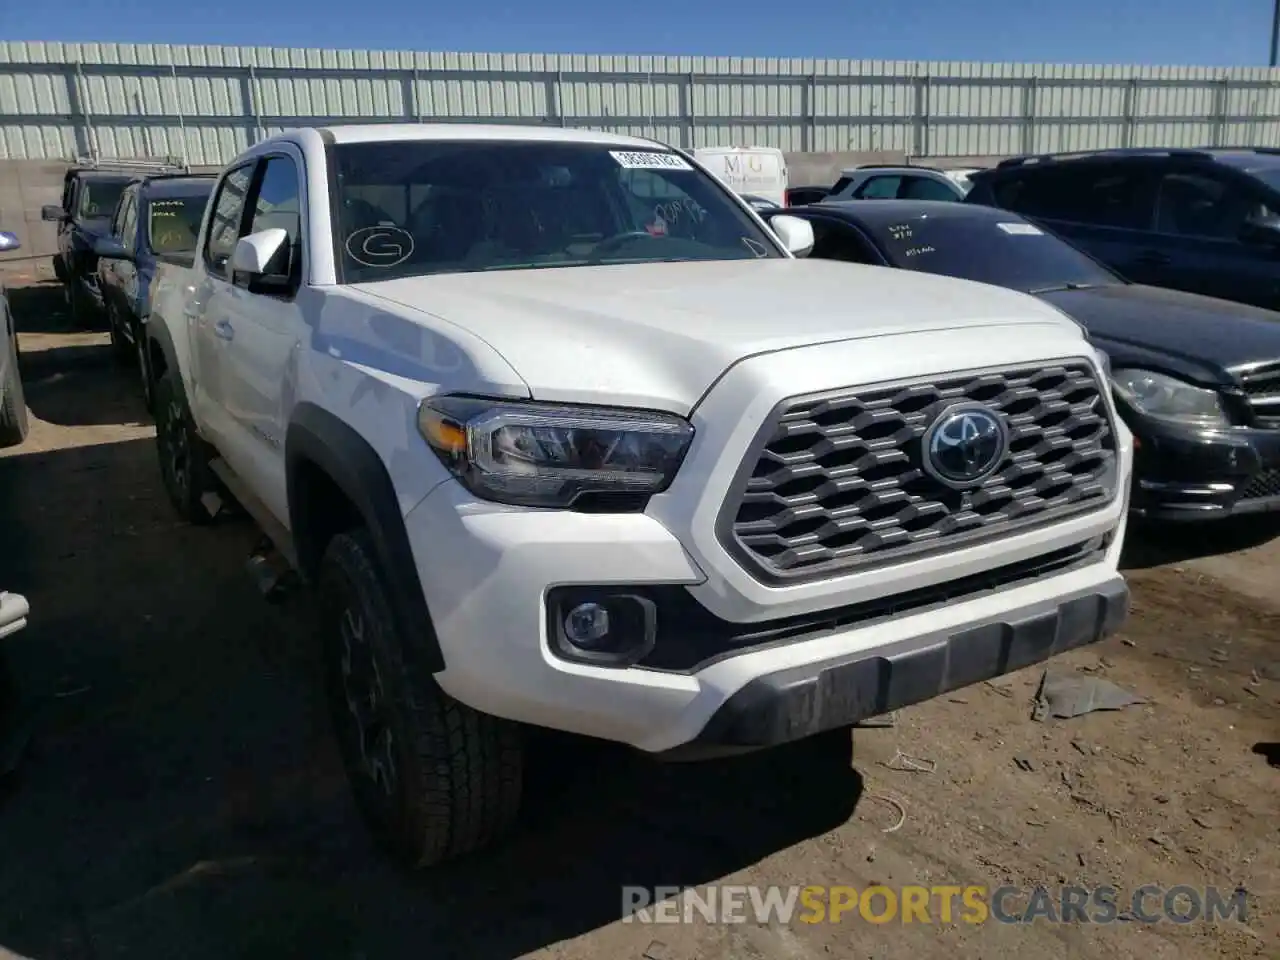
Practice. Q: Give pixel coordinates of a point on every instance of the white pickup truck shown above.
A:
(567, 436)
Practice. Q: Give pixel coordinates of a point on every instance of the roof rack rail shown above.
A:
(1269, 151)
(1179, 152)
(163, 164)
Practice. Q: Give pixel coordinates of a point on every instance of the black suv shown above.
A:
(1204, 221)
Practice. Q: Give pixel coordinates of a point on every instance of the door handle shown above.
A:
(223, 330)
(1152, 258)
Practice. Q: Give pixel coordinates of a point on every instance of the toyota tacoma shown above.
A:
(565, 435)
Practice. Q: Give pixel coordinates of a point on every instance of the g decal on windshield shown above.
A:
(380, 246)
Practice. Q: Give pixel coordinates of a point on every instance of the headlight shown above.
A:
(548, 455)
(1166, 398)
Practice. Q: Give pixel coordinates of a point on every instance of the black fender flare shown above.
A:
(158, 333)
(317, 437)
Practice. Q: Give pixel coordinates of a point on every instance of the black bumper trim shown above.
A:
(796, 703)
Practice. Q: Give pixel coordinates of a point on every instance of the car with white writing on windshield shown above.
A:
(157, 219)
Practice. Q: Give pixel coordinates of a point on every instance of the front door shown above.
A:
(209, 308)
(266, 326)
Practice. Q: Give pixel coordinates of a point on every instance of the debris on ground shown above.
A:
(894, 802)
(1064, 696)
(906, 762)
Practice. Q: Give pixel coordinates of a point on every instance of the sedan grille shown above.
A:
(839, 480)
(1262, 390)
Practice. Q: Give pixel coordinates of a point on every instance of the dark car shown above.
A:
(1196, 379)
(799, 196)
(90, 194)
(158, 218)
(1203, 221)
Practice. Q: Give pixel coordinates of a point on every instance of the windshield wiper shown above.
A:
(1055, 288)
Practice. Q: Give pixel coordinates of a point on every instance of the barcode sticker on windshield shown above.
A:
(1021, 229)
(649, 160)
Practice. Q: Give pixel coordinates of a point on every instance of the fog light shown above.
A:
(604, 626)
(586, 625)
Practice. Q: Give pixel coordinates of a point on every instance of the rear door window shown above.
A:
(880, 188)
(925, 188)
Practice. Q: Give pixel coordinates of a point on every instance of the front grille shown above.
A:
(1262, 389)
(1264, 484)
(837, 480)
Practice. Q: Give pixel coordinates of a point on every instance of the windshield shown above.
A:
(413, 208)
(98, 198)
(1011, 253)
(174, 223)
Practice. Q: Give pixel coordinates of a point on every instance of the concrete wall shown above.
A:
(26, 185)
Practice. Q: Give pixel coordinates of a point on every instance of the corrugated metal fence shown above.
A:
(204, 104)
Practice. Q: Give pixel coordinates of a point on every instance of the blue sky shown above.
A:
(1203, 32)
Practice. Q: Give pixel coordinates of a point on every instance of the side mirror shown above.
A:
(253, 254)
(1263, 231)
(109, 248)
(9, 242)
(796, 233)
(51, 211)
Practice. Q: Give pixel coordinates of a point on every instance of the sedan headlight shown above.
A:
(549, 455)
(1167, 398)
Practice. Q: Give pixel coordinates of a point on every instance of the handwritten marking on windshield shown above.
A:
(675, 210)
(382, 247)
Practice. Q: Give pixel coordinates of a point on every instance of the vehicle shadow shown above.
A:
(1151, 545)
(182, 795)
(54, 354)
(40, 307)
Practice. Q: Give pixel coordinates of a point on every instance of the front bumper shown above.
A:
(798, 702)
(487, 571)
(1183, 475)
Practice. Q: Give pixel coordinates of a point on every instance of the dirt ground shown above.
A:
(180, 795)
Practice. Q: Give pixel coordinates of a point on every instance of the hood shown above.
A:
(660, 334)
(1220, 334)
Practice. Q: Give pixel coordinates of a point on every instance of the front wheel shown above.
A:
(433, 778)
(184, 456)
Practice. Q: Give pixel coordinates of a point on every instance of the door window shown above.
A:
(924, 188)
(277, 205)
(1104, 195)
(129, 226)
(117, 221)
(228, 214)
(1197, 205)
(880, 188)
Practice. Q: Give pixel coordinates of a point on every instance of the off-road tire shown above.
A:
(452, 781)
(184, 456)
(13, 408)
